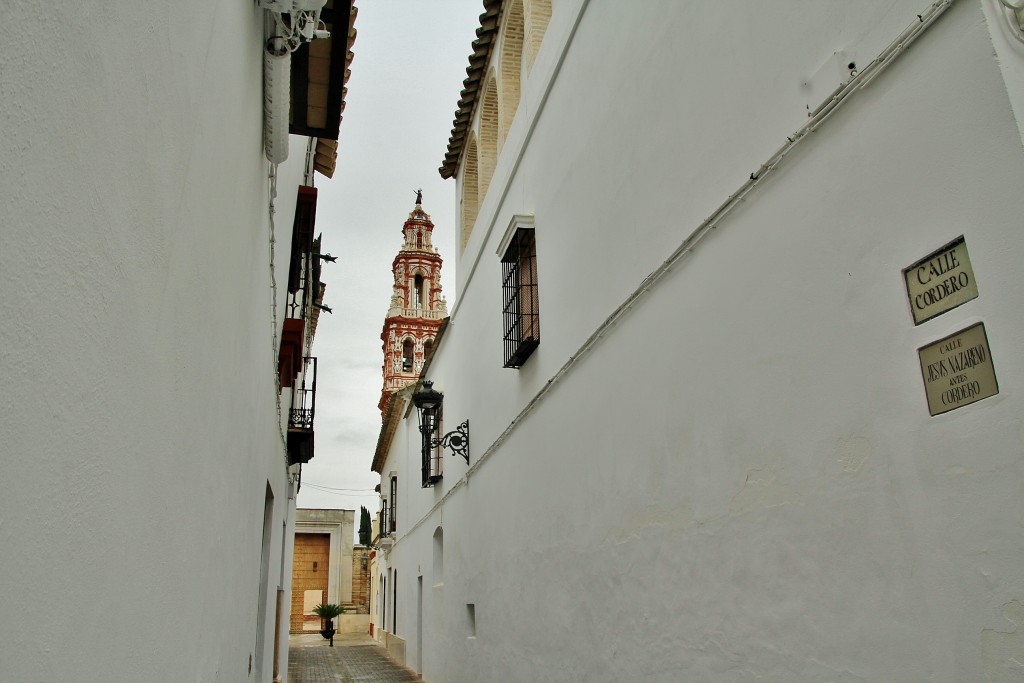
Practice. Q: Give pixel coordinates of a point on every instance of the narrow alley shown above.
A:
(355, 658)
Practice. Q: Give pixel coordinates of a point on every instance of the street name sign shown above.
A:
(957, 370)
(940, 281)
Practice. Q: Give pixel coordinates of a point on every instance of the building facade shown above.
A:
(738, 339)
(158, 261)
(321, 566)
(328, 569)
(411, 328)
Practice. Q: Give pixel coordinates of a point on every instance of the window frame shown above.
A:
(520, 312)
(408, 359)
(431, 452)
(393, 505)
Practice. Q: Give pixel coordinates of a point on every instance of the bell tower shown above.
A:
(417, 307)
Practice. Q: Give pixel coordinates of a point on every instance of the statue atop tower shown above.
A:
(417, 306)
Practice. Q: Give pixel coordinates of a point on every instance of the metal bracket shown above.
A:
(457, 440)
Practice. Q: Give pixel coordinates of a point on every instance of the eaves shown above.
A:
(486, 36)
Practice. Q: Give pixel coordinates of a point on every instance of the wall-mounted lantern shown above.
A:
(428, 404)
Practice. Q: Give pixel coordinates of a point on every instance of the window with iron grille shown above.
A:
(393, 505)
(521, 311)
(430, 448)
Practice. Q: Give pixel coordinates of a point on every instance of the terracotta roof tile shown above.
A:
(327, 150)
(485, 37)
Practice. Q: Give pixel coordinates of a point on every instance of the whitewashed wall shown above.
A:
(740, 480)
(139, 425)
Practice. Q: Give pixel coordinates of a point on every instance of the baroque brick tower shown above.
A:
(417, 307)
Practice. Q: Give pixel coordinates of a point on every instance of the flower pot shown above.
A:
(328, 631)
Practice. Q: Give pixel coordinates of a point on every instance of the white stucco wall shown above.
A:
(140, 428)
(740, 479)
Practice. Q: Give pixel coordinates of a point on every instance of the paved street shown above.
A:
(355, 658)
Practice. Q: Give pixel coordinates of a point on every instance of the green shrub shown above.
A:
(328, 611)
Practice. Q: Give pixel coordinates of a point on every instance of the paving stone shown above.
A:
(354, 659)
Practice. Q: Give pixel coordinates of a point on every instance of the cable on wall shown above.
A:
(272, 211)
(817, 117)
(858, 81)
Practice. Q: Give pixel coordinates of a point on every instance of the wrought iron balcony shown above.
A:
(304, 281)
(301, 415)
(304, 288)
(304, 397)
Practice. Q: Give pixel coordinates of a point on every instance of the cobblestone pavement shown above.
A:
(355, 658)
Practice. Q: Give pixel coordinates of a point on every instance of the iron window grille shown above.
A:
(431, 449)
(384, 528)
(393, 505)
(521, 311)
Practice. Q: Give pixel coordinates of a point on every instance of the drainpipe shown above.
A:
(277, 66)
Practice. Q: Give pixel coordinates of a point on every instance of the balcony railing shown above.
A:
(418, 313)
(304, 397)
(303, 288)
(300, 265)
(304, 284)
(301, 415)
(386, 529)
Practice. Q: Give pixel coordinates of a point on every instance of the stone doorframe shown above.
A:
(338, 524)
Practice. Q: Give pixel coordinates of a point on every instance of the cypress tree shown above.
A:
(364, 525)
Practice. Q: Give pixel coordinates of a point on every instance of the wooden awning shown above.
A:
(325, 156)
(320, 71)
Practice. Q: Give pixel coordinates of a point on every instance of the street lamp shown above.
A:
(428, 404)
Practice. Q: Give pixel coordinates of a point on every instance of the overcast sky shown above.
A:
(410, 60)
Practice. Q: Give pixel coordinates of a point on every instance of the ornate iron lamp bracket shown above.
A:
(457, 440)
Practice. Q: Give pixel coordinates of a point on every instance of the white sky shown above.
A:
(410, 61)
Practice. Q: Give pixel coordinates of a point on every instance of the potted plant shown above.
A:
(327, 612)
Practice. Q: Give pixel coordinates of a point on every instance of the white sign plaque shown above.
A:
(957, 370)
(940, 281)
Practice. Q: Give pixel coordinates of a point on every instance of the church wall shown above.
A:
(739, 479)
